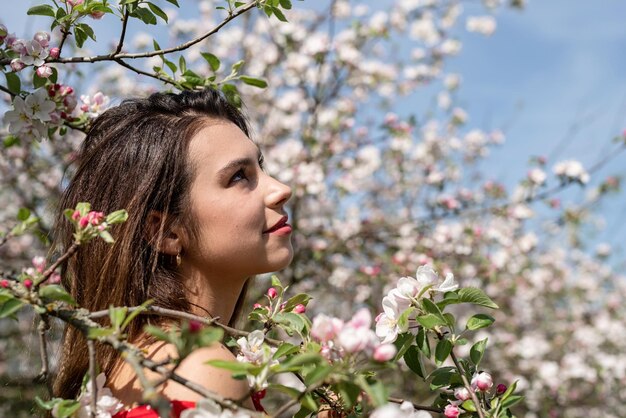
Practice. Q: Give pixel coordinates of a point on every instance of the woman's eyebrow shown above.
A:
(238, 163)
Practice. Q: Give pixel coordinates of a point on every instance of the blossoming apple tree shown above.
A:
(382, 202)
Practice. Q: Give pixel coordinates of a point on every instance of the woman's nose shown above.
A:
(278, 193)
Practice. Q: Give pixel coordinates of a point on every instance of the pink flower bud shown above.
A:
(17, 65)
(44, 71)
(95, 217)
(55, 278)
(76, 215)
(43, 38)
(482, 381)
(54, 53)
(300, 308)
(28, 283)
(384, 352)
(451, 411)
(272, 293)
(500, 389)
(39, 263)
(195, 326)
(462, 394)
(257, 305)
(74, 3)
(97, 15)
(84, 221)
(4, 283)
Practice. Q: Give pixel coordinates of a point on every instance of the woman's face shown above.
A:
(242, 226)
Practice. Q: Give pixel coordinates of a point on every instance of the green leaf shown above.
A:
(117, 316)
(66, 408)
(80, 36)
(14, 83)
(290, 321)
(170, 65)
(299, 299)
(442, 351)
(349, 393)
(444, 376)
(106, 237)
(430, 321)
(286, 349)
(421, 339)
(9, 307)
(302, 360)
(510, 401)
(136, 312)
(23, 214)
(431, 307)
(477, 351)
(509, 391)
(182, 64)
(413, 359)
(56, 292)
(479, 321)
(174, 2)
(87, 29)
(10, 140)
(117, 217)
(213, 61)
(96, 333)
(157, 332)
(402, 343)
(157, 11)
(318, 374)
(468, 405)
(279, 14)
(41, 10)
(233, 366)
(145, 15)
(376, 390)
(285, 4)
(288, 390)
(476, 296)
(449, 298)
(38, 81)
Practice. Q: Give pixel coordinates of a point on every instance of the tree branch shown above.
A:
(43, 353)
(46, 274)
(120, 44)
(92, 375)
(141, 72)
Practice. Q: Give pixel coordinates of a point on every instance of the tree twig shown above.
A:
(147, 74)
(92, 374)
(69, 253)
(467, 385)
(42, 328)
(120, 43)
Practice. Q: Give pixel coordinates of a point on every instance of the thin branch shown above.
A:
(467, 385)
(7, 91)
(416, 406)
(120, 44)
(92, 375)
(141, 72)
(46, 274)
(170, 313)
(43, 353)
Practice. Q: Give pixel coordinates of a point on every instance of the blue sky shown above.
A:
(553, 76)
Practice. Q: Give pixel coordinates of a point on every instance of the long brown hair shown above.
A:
(135, 157)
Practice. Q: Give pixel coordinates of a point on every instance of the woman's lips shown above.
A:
(280, 228)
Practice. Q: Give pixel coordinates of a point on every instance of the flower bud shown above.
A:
(500, 389)
(451, 411)
(76, 215)
(43, 71)
(55, 278)
(300, 308)
(74, 3)
(462, 394)
(17, 65)
(28, 283)
(84, 221)
(384, 352)
(194, 326)
(482, 381)
(43, 38)
(257, 305)
(4, 283)
(39, 262)
(272, 293)
(54, 52)
(97, 15)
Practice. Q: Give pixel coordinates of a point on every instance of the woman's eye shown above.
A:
(238, 176)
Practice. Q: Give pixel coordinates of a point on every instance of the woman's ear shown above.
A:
(164, 234)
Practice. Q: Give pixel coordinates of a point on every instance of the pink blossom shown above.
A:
(74, 3)
(76, 215)
(84, 221)
(462, 394)
(55, 52)
(325, 328)
(97, 15)
(195, 326)
(300, 308)
(4, 283)
(43, 38)
(95, 217)
(451, 411)
(272, 293)
(17, 65)
(44, 71)
(28, 283)
(500, 389)
(54, 278)
(482, 382)
(384, 352)
(40, 263)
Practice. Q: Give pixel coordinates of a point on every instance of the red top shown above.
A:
(146, 411)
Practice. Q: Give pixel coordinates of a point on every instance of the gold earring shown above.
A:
(179, 259)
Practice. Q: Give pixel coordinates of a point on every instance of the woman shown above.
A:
(203, 218)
